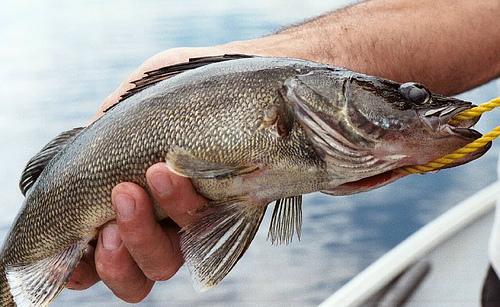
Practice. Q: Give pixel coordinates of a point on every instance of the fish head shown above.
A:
(367, 127)
(406, 120)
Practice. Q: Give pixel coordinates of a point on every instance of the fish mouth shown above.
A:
(440, 121)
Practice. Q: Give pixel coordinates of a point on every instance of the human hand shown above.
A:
(135, 251)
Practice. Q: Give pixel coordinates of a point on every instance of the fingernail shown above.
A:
(111, 239)
(161, 184)
(125, 206)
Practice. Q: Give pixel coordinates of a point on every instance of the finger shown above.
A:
(85, 274)
(155, 251)
(175, 194)
(117, 268)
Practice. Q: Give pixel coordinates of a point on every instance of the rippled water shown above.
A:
(60, 59)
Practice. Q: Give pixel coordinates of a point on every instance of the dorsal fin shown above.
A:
(166, 72)
(35, 165)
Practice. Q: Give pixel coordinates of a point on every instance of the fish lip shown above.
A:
(438, 121)
(477, 153)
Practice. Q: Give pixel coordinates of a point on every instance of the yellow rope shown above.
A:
(461, 152)
(474, 112)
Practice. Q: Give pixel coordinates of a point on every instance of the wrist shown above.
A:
(276, 45)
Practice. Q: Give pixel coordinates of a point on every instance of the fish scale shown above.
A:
(241, 128)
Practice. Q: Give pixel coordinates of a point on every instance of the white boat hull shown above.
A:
(455, 246)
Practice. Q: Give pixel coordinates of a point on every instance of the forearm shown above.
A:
(450, 46)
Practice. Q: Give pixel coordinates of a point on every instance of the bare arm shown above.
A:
(450, 46)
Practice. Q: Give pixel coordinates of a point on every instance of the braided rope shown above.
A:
(461, 152)
(476, 111)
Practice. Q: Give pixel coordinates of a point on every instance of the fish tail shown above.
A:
(38, 283)
(6, 299)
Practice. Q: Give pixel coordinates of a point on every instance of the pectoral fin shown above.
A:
(214, 243)
(278, 118)
(286, 220)
(185, 164)
(38, 283)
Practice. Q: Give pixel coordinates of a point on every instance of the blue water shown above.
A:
(60, 59)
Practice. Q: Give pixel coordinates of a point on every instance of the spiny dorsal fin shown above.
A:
(166, 72)
(185, 164)
(214, 243)
(36, 165)
(286, 220)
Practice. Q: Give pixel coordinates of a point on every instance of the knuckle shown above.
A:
(136, 242)
(110, 273)
(159, 277)
(161, 271)
(133, 298)
(158, 263)
(133, 292)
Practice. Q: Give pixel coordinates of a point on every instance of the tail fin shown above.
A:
(38, 283)
(6, 299)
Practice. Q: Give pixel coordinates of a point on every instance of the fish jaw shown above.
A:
(433, 137)
(460, 133)
(365, 184)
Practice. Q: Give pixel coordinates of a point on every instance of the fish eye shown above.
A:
(416, 93)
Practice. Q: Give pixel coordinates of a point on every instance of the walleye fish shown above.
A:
(248, 131)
